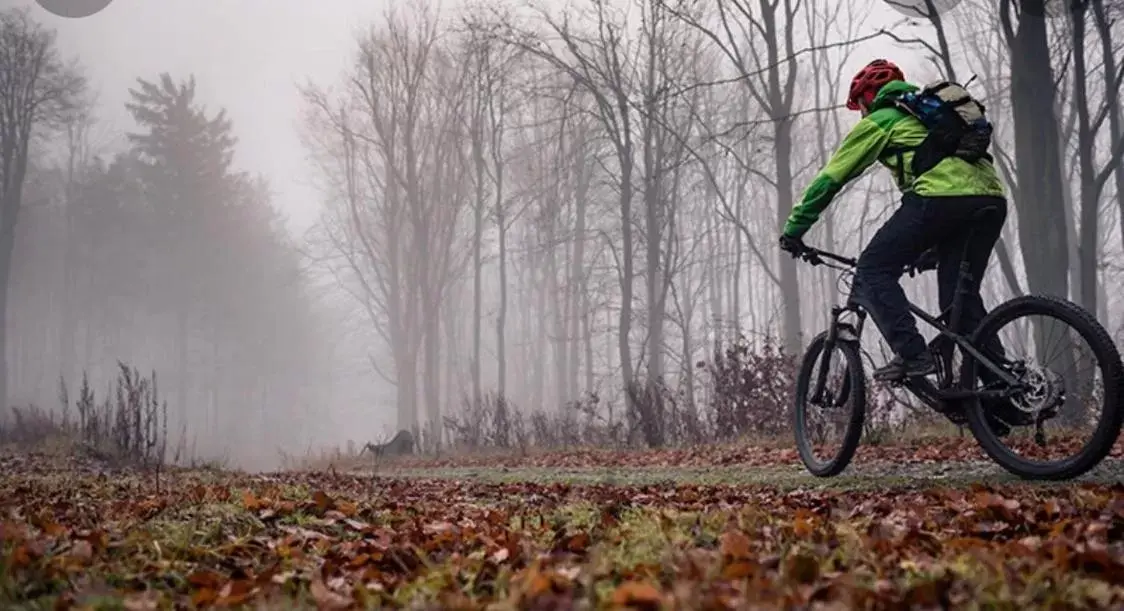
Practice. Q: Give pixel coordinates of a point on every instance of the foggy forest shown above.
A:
(485, 304)
(539, 224)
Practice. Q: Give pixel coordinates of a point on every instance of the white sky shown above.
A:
(247, 56)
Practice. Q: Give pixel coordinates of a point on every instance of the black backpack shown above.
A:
(957, 124)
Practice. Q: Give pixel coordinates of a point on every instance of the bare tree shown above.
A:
(1113, 74)
(392, 148)
(599, 63)
(1037, 147)
(769, 75)
(491, 102)
(581, 164)
(1093, 174)
(479, 52)
(826, 22)
(35, 87)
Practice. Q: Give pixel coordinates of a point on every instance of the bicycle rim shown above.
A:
(840, 414)
(1068, 418)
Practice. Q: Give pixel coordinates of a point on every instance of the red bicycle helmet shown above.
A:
(870, 79)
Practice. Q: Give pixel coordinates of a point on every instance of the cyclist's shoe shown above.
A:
(897, 369)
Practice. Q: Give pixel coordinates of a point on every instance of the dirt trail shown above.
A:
(861, 476)
(941, 461)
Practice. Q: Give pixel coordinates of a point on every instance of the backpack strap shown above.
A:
(899, 152)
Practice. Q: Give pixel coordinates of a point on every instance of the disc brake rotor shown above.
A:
(1045, 392)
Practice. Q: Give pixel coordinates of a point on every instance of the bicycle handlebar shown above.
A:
(815, 256)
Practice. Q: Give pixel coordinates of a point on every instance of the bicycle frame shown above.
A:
(923, 388)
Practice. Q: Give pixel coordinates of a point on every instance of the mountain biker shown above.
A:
(936, 209)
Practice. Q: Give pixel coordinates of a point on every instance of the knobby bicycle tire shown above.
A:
(856, 391)
(1109, 363)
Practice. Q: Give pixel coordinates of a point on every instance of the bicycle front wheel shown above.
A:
(839, 411)
(1069, 373)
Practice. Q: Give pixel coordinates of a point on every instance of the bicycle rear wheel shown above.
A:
(1072, 368)
(843, 405)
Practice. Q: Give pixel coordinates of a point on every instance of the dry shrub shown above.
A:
(130, 423)
(752, 392)
(498, 423)
(746, 392)
(30, 426)
(492, 422)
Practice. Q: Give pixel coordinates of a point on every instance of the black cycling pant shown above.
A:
(918, 224)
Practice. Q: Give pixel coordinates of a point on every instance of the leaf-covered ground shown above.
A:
(75, 535)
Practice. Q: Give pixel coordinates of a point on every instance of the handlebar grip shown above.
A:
(811, 257)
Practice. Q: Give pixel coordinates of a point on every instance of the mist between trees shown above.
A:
(543, 224)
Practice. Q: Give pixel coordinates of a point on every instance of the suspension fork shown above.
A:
(836, 331)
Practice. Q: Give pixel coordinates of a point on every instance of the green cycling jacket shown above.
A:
(875, 138)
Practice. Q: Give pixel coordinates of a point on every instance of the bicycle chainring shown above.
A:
(1044, 395)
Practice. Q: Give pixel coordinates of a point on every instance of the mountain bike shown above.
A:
(990, 391)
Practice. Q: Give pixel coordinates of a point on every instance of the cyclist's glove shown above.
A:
(792, 245)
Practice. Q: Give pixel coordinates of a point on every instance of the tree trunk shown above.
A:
(714, 278)
(587, 334)
(735, 243)
(501, 313)
(497, 130)
(67, 320)
(790, 285)
(1088, 240)
(652, 201)
(10, 208)
(1115, 122)
(477, 275)
(688, 368)
(1037, 153)
(452, 354)
(557, 347)
(624, 321)
(1038, 157)
(181, 358)
(577, 259)
(432, 368)
(406, 375)
(539, 339)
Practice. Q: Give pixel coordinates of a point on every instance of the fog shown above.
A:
(247, 60)
(490, 223)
